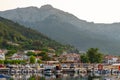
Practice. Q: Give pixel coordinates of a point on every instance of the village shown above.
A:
(21, 62)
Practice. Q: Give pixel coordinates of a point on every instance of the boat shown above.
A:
(107, 79)
(47, 71)
(4, 76)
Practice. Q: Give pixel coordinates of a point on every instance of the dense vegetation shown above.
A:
(12, 62)
(17, 37)
(93, 56)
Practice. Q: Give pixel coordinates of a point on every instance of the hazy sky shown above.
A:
(98, 11)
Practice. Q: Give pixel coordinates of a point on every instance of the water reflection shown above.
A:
(60, 76)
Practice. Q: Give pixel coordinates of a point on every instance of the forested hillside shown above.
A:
(15, 36)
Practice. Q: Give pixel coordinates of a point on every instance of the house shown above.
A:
(17, 56)
(71, 57)
(2, 55)
(51, 54)
(109, 59)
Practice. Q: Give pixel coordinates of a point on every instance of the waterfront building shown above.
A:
(2, 55)
(110, 59)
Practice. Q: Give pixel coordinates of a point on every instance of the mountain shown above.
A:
(15, 36)
(67, 28)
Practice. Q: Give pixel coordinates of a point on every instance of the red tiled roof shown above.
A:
(17, 57)
(110, 57)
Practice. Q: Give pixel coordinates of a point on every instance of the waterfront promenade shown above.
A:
(84, 68)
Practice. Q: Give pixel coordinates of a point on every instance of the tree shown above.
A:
(39, 61)
(8, 62)
(32, 59)
(31, 54)
(84, 58)
(44, 56)
(14, 61)
(11, 52)
(1, 61)
(94, 55)
(99, 57)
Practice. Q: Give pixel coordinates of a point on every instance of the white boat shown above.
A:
(107, 79)
(47, 71)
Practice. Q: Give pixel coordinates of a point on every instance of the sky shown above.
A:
(97, 11)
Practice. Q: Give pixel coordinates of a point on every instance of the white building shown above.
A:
(109, 59)
(19, 57)
(2, 55)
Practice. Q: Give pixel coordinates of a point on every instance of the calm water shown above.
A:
(68, 76)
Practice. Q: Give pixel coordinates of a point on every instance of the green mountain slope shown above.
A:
(15, 36)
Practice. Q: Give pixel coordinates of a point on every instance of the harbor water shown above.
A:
(59, 76)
